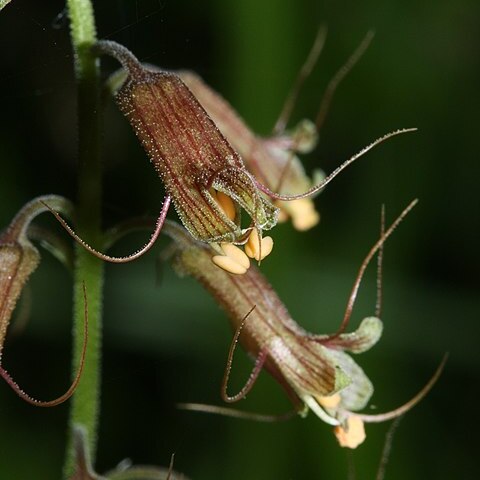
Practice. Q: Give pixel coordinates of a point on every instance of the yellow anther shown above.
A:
(236, 254)
(332, 401)
(234, 261)
(258, 248)
(304, 215)
(226, 204)
(352, 434)
(228, 264)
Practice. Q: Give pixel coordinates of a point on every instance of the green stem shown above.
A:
(88, 269)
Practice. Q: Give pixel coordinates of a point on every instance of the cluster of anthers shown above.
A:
(232, 258)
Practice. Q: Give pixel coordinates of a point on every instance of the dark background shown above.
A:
(165, 340)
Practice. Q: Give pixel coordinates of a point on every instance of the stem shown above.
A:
(86, 401)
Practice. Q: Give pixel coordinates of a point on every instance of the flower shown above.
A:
(317, 372)
(203, 174)
(308, 367)
(19, 258)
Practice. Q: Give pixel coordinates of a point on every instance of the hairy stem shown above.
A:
(88, 269)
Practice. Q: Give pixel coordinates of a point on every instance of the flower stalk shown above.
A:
(88, 269)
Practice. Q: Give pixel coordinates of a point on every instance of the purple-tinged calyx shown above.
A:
(190, 154)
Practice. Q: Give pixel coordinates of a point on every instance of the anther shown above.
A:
(258, 248)
(227, 205)
(236, 254)
(330, 402)
(352, 434)
(234, 261)
(228, 264)
(304, 215)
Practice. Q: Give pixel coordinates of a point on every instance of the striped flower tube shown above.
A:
(317, 372)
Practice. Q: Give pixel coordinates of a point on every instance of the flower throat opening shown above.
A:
(232, 258)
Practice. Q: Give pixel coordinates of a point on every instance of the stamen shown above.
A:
(304, 215)
(302, 211)
(226, 204)
(258, 248)
(318, 410)
(352, 434)
(229, 265)
(236, 254)
(234, 261)
(332, 401)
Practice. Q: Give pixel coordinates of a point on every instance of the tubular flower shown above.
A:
(18, 260)
(309, 368)
(204, 176)
(316, 371)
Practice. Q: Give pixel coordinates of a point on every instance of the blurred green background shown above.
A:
(165, 339)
